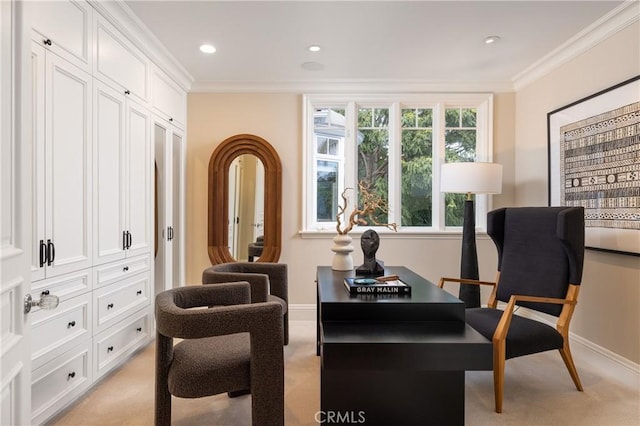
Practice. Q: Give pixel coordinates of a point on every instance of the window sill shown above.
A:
(454, 234)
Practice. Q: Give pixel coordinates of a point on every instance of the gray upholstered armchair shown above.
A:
(269, 282)
(540, 260)
(230, 345)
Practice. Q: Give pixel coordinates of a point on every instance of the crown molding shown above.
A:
(352, 86)
(618, 19)
(122, 17)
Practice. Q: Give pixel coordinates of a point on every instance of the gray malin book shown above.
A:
(380, 285)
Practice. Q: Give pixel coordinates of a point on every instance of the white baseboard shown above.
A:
(603, 360)
(302, 312)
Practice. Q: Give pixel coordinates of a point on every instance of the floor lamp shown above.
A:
(470, 178)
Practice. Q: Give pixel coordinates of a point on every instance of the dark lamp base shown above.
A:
(469, 294)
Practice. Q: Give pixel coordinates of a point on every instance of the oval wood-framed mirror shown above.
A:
(219, 166)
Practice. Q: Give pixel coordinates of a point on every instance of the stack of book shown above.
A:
(380, 285)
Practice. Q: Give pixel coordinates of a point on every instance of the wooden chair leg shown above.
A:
(565, 352)
(499, 353)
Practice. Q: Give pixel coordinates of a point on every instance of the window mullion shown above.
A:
(438, 208)
(350, 154)
(484, 153)
(395, 169)
(309, 166)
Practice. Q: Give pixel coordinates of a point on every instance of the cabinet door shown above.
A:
(163, 256)
(169, 100)
(177, 207)
(109, 173)
(169, 231)
(65, 27)
(68, 165)
(139, 179)
(120, 64)
(38, 237)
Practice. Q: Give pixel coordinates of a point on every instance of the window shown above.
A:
(394, 145)
(328, 137)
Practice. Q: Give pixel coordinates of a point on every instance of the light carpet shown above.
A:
(538, 391)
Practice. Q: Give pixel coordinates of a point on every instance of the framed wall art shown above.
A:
(594, 162)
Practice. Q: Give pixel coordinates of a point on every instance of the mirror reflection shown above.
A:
(246, 208)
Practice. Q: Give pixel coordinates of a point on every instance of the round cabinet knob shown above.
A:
(139, 329)
(47, 42)
(110, 349)
(71, 324)
(71, 375)
(110, 306)
(127, 92)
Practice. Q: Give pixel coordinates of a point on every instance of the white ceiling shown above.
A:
(262, 43)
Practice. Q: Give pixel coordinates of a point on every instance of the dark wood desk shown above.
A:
(394, 359)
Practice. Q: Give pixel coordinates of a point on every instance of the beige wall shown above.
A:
(608, 312)
(277, 118)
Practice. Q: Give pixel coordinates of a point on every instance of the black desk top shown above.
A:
(427, 301)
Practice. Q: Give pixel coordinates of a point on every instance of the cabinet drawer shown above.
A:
(113, 346)
(116, 301)
(57, 330)
(64, 286)
(57, 383)
(112, 272)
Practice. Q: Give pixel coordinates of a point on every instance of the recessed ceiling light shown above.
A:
(314, 48)
(207, 48)
(491, 39)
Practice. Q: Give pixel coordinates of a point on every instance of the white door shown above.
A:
(234, 207)
(15, 235)
(109, 172)
(169, 164)
(38, 236)
(162, 264)
(68, 166)
(177, 214)
(258, 217)
(138, 188)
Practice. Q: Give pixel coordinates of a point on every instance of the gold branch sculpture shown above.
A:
(370, 203)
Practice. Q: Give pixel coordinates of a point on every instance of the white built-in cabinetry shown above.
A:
(168, 99)
(119, 63)
(97, 102)
(62, 165)
(122, 190)
(168, 137)
(66, 29)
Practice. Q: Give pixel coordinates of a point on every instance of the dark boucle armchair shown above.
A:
(229, 345)
(269, 282)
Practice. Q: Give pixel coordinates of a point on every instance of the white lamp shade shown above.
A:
(473, 178)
